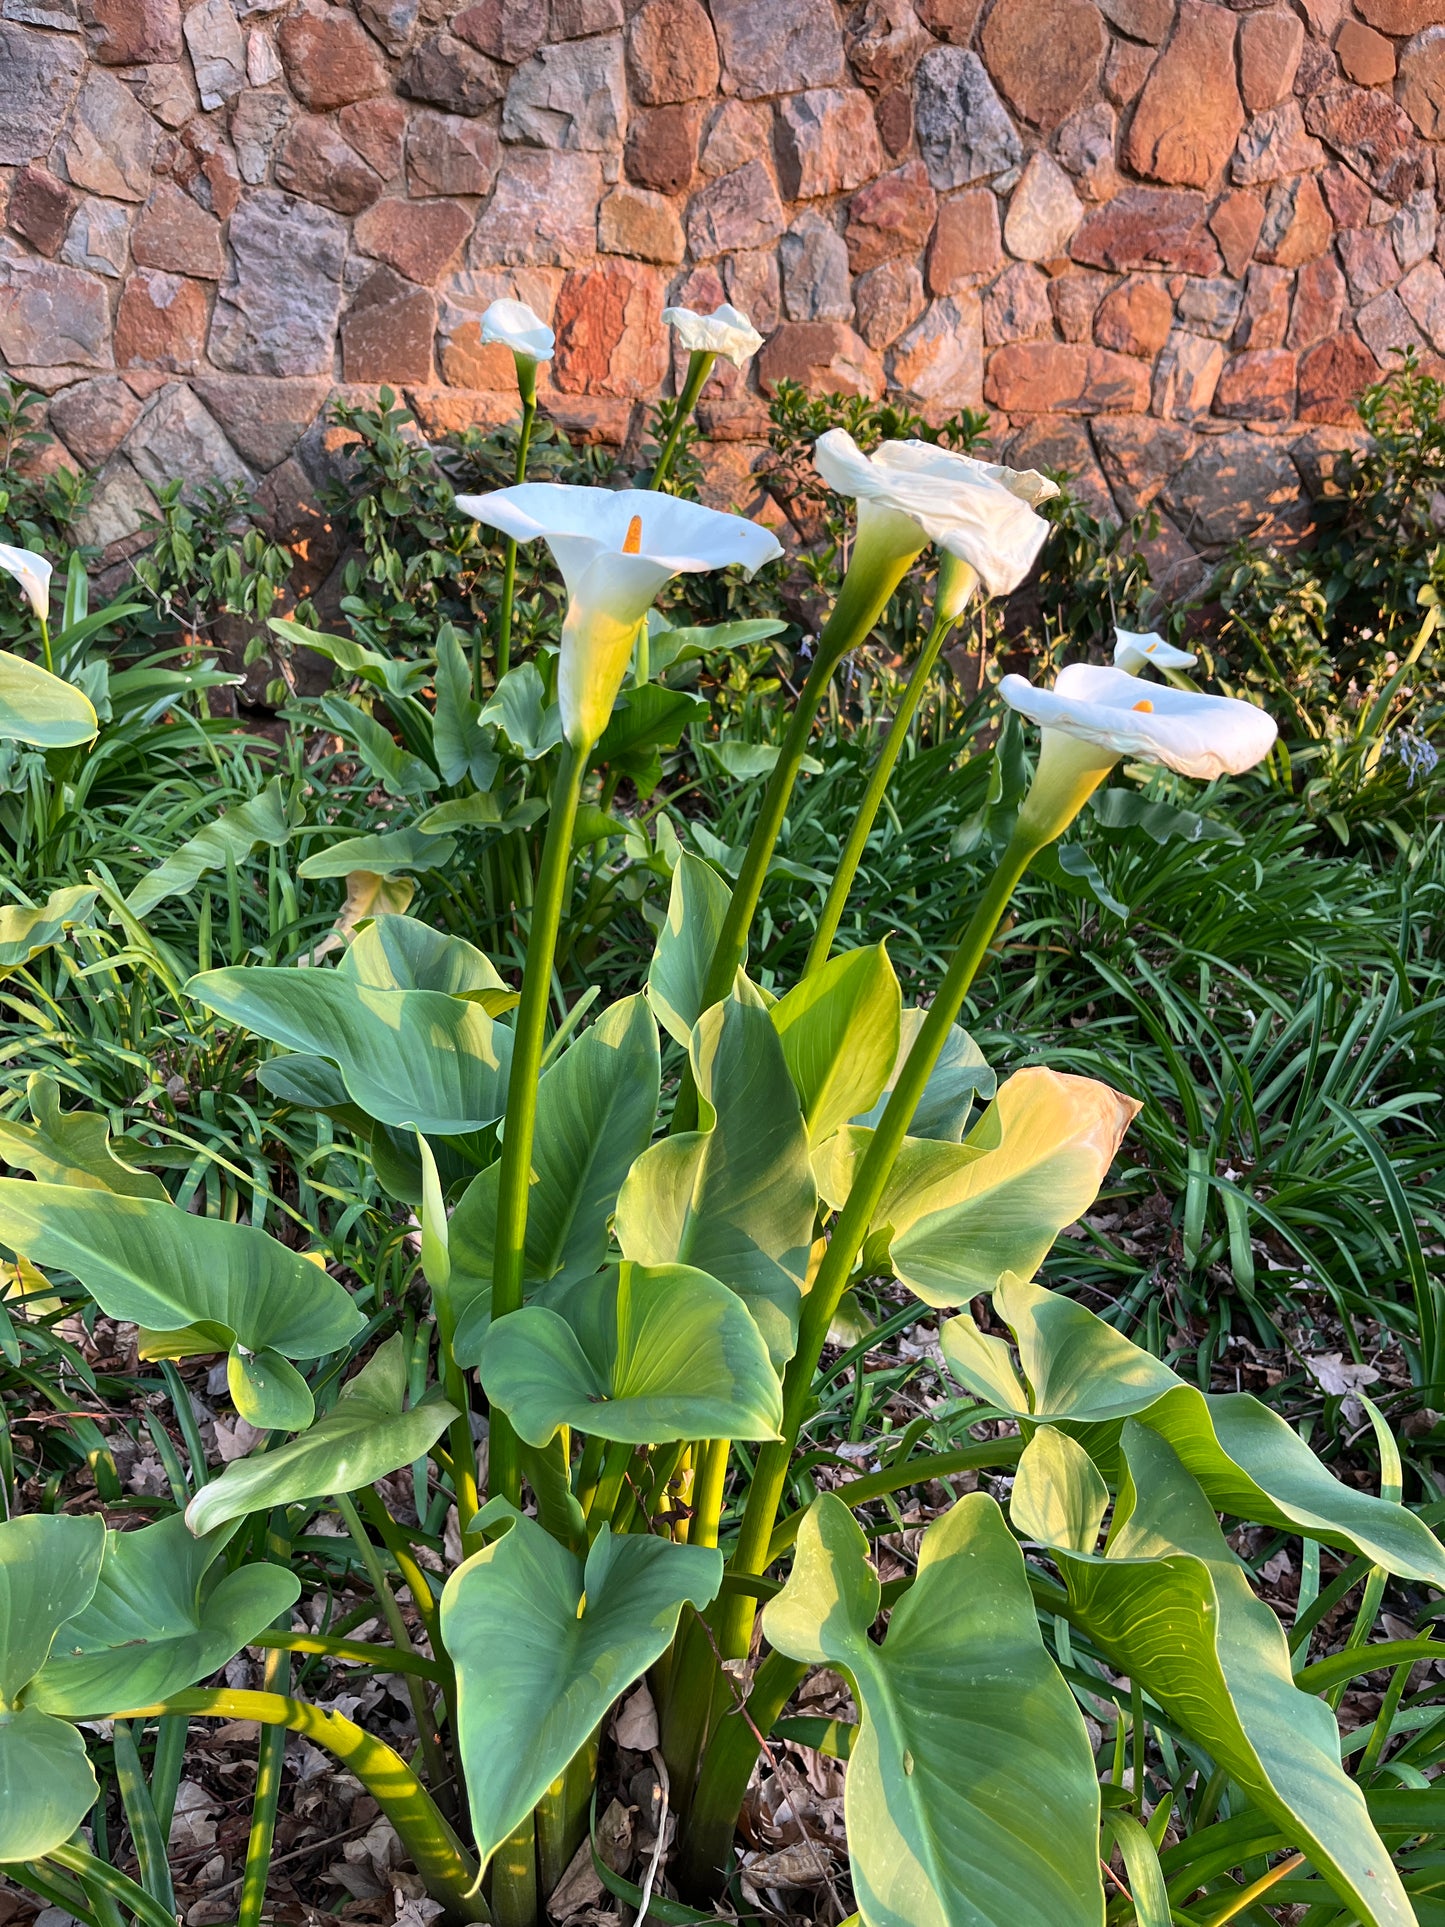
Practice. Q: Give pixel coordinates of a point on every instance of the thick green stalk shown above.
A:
(851, 1229)
(505, 1475)
(867, 589)
(116, 1886)
(514, 1878)
(726, 1770)
(699, 367)
(509, 554)
(271, 1754)
(862, 825)
(561, 1816)
(439, 1857)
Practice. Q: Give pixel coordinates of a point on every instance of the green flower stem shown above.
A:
(45, 645)
(868, 587)
(514, 1877)
(509, 554)
(94, 1873)
(53, 1887)
(271, 1754)
(699, 367)
(708, 1480)
(755, 1537)
(521, 1123)
(385, 1659)
(439, 1857)
(727, 1768)
(863, 821)
(608, 1489)
(561, 1815)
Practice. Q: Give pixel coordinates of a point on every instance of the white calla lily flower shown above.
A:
(1134, 651)
(980, 513)
(520, 328)
(1094, 717)
(33, 573)
(616, 549)
(726, 331)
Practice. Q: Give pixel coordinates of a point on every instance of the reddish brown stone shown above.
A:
(1147, 20)
(884, 42)
(328, 58)
(1367, 130)
(1126, 70)
(172, 233)
(1189, 114)
(1062, 378)
(1422, 81)
(1264, 317)
(1270, 45)
(210, 173)
(128, 33)
(671, 53)
(1148, 227)
(894, 117)
(886, 301)
(1016, 307)
(386, 333)
(1139, 454)
(661, 148)
(375, 129)
(40, 207)
(610, 337)
(316, 163)
(1400, 17)
(1075, 300)
(420, 239)
(952, 20)
(826, 142)
(822, 355)
(737, 210)
(636, 222)
(1257, 386)
(507, 30)
(1346, 197)
(1297, 224)
(161, 323)
(577, 19)
(449, 154)
(1366, 56)
(1331, 376)
(1235, 225)
(938, 365)
(966, 241)
(1319, 302)
(93, 418)
(891, 216)
(263, 417)
(1135, 317)
(1044, 56)
(449, 74)
(1369, 262)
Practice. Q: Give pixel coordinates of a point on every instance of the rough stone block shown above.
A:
(826, 142)
(1065, 378)
(420, 239)
(161, 322)
(571, 97)
(737, 210)
(890, 217)
(386, 333)
(966, 242)
(1045, 56)
(778, 46)
(277, 309)
(964, 134)
(610, 336)
(39, 77)
(449, 154)
(1189, 114)
(672, 53)
(822, 355)
(543, 213)
(1257, 386)
(1135, 317)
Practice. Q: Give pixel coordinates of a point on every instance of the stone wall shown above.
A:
(1165, 242)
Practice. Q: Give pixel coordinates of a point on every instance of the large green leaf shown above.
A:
(397, 769)
(972, 1798)
(384, 854)
(393, 673)
(403, 953)
(596, 1107)
(519, 709)
(696, 906)
(270, 819)
(459, 743)
(1085, 1376)
(839, 1028)
(39, 709)
(1169, 1606)
(482, 810)
(163, 1268)
(49, 1566)
(639, 1355)
(735, 1199)
(159, 1620)
(368, 1434)
(543, 1644)
(27, 930)
(414, 1058)
(1056, 1137)
(959, 1078)
(70, 1147)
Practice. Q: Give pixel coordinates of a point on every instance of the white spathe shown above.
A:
(726, 331)
(1198, 735)
(616, 548)
(33, 574)
(520, 328)
(977, 511)
(1133, 651)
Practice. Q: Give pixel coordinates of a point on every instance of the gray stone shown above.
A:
(571, 97)
(98, 237)
(63, 15)
(39, 76)
(117, 509)
(263, 419)
(1413, 227)
(938, 365)
(543, 212)
(1043, 211)
(258, 121)
(778, 46)
(94, 417)
(1273, 145)
(1423, 293)
(738, 210)
(1229, 487)
(1016, 307)
(176, 439)
(1386, 328)
(964, 133)
(449, 154)
(276, 312)
(1186, 376)
(815, 272)
(51, 316)
(263, 59)
(111, 145)
(392, 22)
(1209, 305)
(1085, 147)
(218, 53)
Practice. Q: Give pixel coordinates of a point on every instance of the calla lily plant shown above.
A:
(726, 332)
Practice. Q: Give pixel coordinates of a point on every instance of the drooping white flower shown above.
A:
(616, 548)
(1133, 652)
(1198, 735)
(726, 331)
(518, 327)
(980, 513)
(33, 574)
